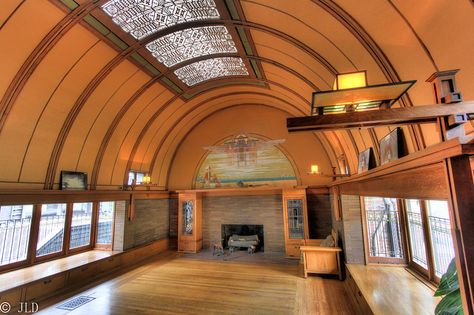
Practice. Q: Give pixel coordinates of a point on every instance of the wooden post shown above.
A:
(461, 185)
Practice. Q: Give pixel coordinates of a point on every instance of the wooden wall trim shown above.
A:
(50, 196)
(431, 155)
(250, 191)
(425, 182)
(419, 175)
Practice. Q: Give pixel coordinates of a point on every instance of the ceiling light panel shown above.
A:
(211, 68)
(191, 43)
(141, 18)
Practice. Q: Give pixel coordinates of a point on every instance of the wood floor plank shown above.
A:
(189, 286)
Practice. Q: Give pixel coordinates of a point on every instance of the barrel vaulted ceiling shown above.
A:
(108, 86)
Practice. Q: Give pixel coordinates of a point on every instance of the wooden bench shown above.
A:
(379, 290)
(322, 260)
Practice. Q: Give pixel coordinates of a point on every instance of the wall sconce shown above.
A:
(146, 179)
(314, 170)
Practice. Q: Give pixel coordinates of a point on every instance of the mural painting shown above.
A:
(245, 162)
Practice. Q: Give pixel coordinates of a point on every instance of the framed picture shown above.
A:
(392, 146)
(366, 161)
(73, 180)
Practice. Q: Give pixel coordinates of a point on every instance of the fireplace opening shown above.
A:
(227, 230)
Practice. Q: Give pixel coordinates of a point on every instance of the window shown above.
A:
(383, 230)
(137, 176)
(105, 225)
(51, 229)
(440, 235)
(430, 238)
(15, 227)
(416, 233)
(81, 225)
(295, 218)
(55, 230)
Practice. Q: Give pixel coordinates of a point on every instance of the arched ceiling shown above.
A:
(80, 93)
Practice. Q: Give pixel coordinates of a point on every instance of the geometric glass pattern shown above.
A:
(188, 209)
(141, 18)
(191, 43)
(210, 69)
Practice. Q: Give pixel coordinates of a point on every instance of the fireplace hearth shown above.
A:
(227, 230)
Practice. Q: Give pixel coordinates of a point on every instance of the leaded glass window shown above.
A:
(295, 218)
(141, 18)
(211, 68)
(191, 43)
(188, 217)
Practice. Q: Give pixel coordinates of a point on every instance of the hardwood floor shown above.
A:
(179, 285)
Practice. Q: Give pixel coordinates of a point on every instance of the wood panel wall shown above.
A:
(319, 215)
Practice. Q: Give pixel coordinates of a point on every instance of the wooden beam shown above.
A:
(461, 183)
(382, 117)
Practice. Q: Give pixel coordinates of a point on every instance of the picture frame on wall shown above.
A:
(366, 160)
(73, 180)
(392, 146)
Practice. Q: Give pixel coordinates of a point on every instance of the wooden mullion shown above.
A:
(94, 225)
(428, 243)
(67, 229)
(402, 229)
(411, 263)
(34, 233)
(365, 233)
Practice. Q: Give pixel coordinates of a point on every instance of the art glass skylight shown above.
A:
(141, 18)
(211, 68)
(191, 43)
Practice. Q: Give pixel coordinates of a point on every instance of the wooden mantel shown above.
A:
(244, 191)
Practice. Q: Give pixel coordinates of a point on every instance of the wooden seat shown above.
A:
(322, 260)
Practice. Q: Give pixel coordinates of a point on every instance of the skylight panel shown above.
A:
(211, 68)
(191, 43)
(141, 18)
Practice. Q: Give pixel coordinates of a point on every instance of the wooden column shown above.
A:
(461, 185)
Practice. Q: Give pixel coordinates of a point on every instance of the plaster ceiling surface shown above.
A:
(108, 86)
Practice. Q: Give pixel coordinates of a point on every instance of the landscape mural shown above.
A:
(245, 162)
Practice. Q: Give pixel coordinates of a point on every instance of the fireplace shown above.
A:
(228, 230)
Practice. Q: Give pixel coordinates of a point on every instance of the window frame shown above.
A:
(37, 259)
(32, 258)
(383, 260)
(31, 239)
(96, 232)
(427, 274)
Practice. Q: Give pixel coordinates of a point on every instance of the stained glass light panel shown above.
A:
(191, 43)
(211, 68)
(141, 18)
